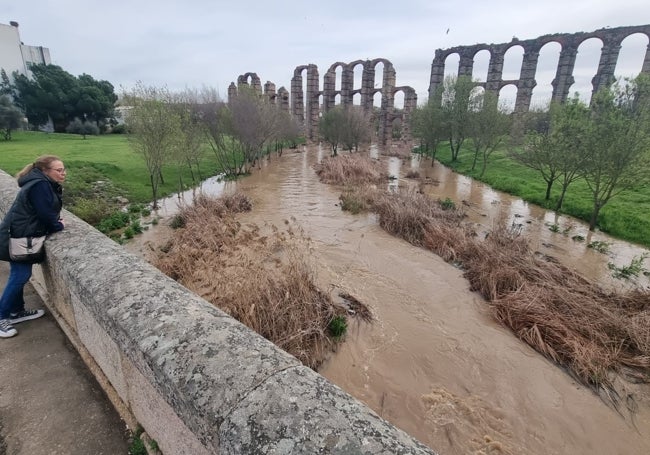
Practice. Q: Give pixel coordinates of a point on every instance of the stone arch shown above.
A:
(305, 104)
(255, 83)
(611, 38)
(329, 86)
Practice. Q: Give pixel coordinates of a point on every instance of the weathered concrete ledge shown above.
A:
(198, 381)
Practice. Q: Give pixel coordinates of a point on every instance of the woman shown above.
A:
(35, 212)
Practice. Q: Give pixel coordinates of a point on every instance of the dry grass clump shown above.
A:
(352, 169)
(596, 335)
(257, 275)
(407, 214)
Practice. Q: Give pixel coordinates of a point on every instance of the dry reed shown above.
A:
(257, 275)
(351, 169)
(594, 334)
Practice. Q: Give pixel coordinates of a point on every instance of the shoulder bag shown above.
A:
(27, 249)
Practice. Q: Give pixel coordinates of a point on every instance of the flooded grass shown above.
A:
(258, 275)
(596, 335)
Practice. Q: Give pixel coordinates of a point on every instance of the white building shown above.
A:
(16, 56)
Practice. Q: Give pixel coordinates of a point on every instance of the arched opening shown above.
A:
(630, 59)
(337, 99)
(376, 99)
(481, 64)
(379, 75)
(585, 68)
(356, 99)
(507, 98)
(357, 72)
(320, 106)
(476, 95)
(399, 100)
(452, 63)
(338, 80)
(512, 61)
(549, 57)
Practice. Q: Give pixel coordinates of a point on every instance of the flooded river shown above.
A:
(433, 362)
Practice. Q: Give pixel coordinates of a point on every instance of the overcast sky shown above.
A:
(195, 43)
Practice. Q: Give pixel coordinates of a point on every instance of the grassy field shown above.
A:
(627, 216)
(109, 155)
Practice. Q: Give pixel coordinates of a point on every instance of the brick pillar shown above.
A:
(298, 97)
(313, 108)
(606, 66)
(269, 91)
(564, 75)
(466, 63)
(232, 91)
(495, 70)
(283, 97)
(367, 86)
(387, 103)
(329, 89)
(527, 80)
(347, 85)
(437, 73)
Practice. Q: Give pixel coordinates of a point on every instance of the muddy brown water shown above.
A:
(434, 363)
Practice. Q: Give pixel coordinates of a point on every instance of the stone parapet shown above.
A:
(198, 381)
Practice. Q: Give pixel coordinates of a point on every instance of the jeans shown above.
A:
(12, 297)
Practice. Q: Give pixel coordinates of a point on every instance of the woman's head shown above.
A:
(50, 165)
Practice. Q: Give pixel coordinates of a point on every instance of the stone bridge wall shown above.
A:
(610, 37)
(198, 381)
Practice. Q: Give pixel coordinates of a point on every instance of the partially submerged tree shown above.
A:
(457, 100)
(428, 125)
(349, 126)
(488, 126)
(332, 127)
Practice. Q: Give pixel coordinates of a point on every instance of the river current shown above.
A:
(434, 362)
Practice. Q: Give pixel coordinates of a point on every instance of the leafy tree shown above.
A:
(332, 127)
(85, 127)
(619, 142)
(488, 125)
(215, 119)
(428, 125)
(357, 129)
(457, 100)
(557, 147)
(11, 118)
(56, 95)
(289, 131)
(153, 126)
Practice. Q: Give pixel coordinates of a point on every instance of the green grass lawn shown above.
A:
(109, 155)
(626, 216)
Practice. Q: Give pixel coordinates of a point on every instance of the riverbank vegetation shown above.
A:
(589, 161)
(260, 275)
(597, 335)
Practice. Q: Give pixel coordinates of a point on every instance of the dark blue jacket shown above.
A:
(35, 211)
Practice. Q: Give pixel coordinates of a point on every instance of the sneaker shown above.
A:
(6, 329)
(25, 315)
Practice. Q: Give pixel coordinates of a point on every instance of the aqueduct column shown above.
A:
(347, 85)
(312, 105)
(387, 101)
(269, 91)
(283, 95)
(607, 65)
(495, 70)
(438, 72)
(367, 85)
(329, 88)
(564, 75)
(466, 64)
(527, 80)
(297, 95)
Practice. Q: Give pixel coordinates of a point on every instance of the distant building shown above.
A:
(16, 56)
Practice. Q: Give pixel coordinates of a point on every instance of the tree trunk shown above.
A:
(549, 185)
(594, 217)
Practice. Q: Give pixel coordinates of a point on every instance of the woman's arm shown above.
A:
(42, 197)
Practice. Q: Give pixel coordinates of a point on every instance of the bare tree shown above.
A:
(428, 125)
(358, 127)
(457, 99)
(153, 126)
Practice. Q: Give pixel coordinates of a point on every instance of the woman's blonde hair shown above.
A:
(42, 162)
